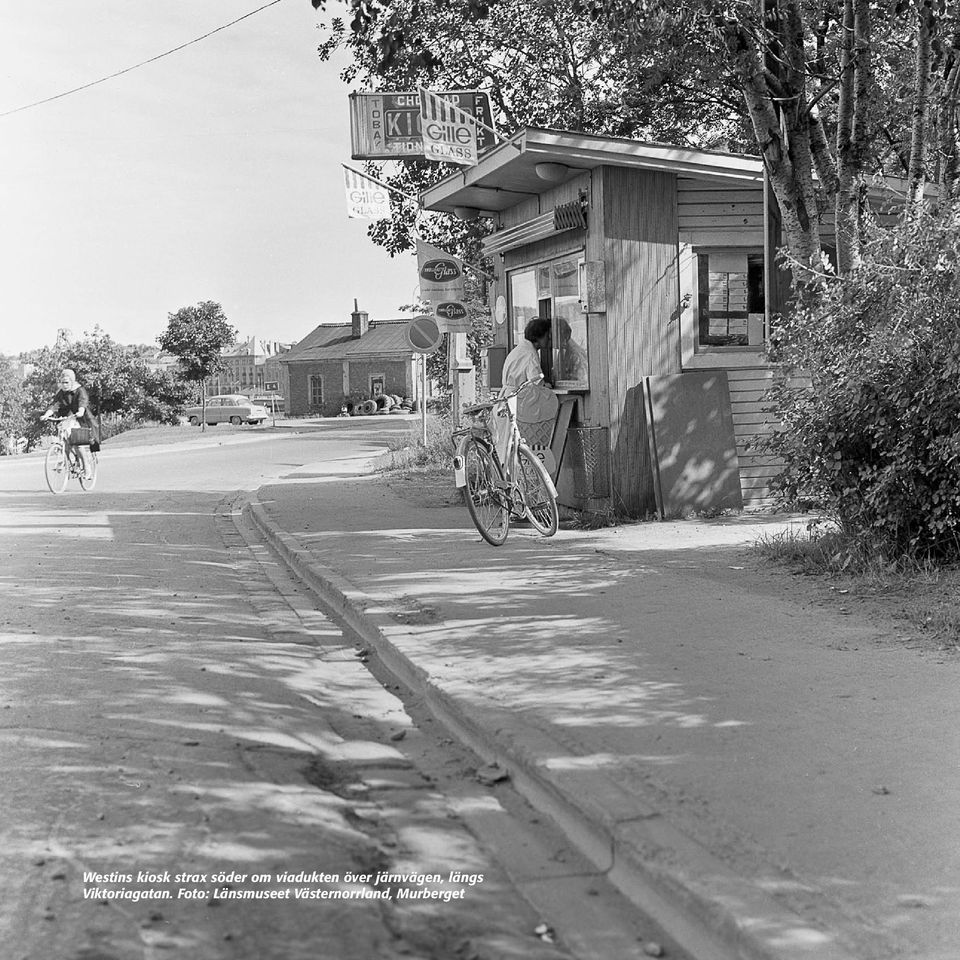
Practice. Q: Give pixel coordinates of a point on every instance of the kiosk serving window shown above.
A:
(730, 298)
(552, 290)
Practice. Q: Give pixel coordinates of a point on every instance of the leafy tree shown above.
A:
(118, 381)
(869, 392)
(197, 336)
(13, 404)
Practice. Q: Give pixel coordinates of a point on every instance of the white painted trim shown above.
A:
(725, 359)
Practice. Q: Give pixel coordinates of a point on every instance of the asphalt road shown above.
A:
(198, 764)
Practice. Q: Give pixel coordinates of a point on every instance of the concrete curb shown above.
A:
(711, 911)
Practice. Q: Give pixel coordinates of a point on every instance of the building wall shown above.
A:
(337, 375)
(632, 230)
(637, 241)
(396, 374)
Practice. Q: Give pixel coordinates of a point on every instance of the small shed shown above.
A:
(655, 265)
(341, 363)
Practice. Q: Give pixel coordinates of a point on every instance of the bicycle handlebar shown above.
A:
(477, 407)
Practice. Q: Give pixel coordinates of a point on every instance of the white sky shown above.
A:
(212, 174)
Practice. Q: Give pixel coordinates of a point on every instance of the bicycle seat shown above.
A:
(477, 408)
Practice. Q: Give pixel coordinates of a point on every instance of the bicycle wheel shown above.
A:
(539, 497)
(489, 507)
(89, 484)
(56, 469)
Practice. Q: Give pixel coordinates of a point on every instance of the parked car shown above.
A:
(230, 408)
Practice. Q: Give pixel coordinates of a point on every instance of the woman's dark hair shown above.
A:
(536, 328)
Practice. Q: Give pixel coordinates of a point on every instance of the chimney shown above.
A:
(361, 321)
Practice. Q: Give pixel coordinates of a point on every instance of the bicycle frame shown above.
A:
(508, 462)
(72, 460)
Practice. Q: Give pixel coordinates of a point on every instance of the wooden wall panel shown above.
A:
(752, 420)
(546, 201)
(642, 331)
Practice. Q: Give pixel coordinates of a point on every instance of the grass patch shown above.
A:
(923, 594)
(408, 454)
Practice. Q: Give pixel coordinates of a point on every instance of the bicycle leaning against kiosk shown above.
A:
(501, 488)
(63, 461)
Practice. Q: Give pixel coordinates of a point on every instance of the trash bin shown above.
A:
(589, 451)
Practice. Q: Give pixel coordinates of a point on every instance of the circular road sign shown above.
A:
(424, 334)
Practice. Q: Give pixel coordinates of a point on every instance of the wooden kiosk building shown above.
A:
(652, 263)
(656, 266)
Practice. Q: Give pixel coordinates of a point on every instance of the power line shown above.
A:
(137, 66)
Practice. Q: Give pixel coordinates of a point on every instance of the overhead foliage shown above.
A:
(829, 92)
(543, 64)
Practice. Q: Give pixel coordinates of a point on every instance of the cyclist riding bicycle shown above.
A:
(71, 400)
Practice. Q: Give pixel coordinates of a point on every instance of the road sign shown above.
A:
(423, 334)
(386, 126)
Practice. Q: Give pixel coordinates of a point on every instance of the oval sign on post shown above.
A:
(423, 334)
(453, 317)
(452, 310)
(441, 271)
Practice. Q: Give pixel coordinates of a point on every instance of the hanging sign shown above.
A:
(452, 316)
(441, 275)
(366, 199)
(449, 133)
(386, 126)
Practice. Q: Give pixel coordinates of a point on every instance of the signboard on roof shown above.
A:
(386, 126)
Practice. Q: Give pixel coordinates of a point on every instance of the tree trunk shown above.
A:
(783, 134)
(845, 210)
(948, 171)
(916, 169)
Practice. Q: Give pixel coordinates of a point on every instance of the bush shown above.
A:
(869, 392)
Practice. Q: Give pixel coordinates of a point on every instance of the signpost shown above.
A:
(386, 126)
(424, 336)
(272, 387)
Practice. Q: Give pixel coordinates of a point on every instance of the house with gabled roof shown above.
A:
(341, 364)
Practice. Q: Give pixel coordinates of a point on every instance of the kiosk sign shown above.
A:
(386, 126)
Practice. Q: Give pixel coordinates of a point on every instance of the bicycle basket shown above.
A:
(537, 433)
(81, 436)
